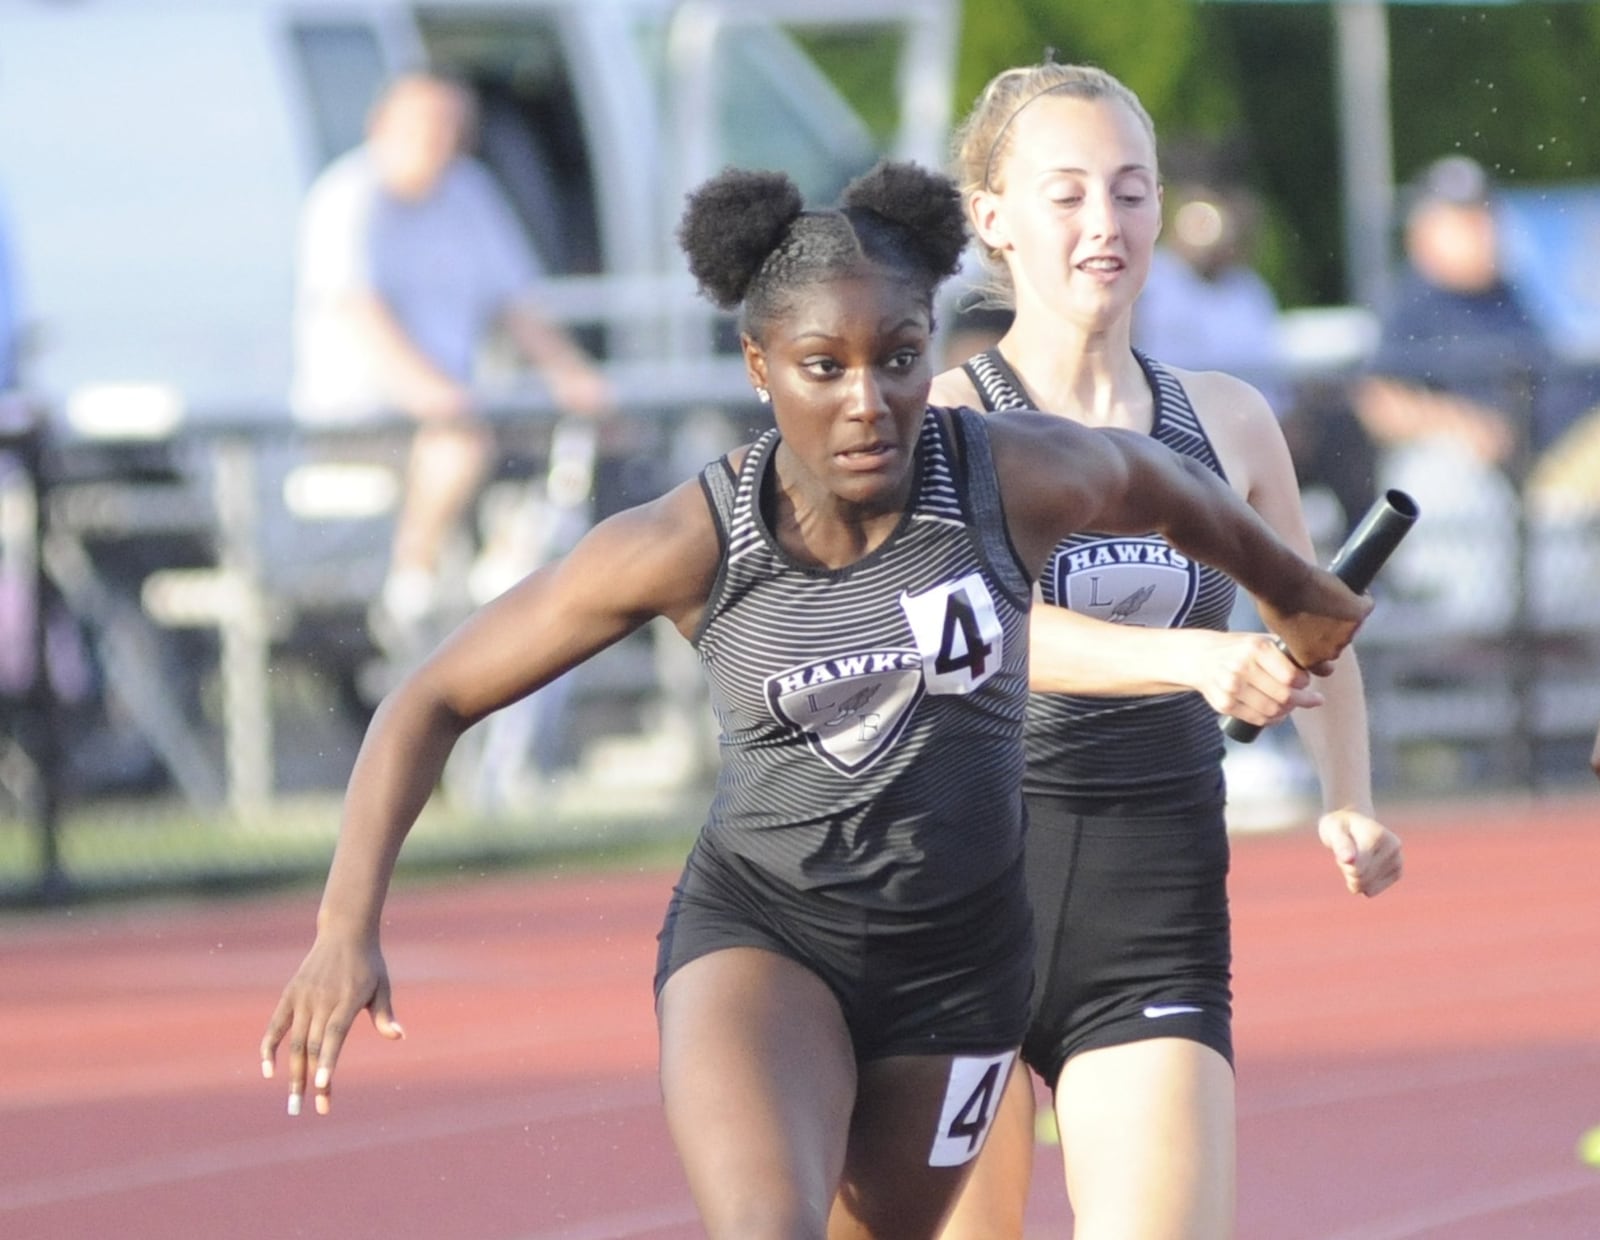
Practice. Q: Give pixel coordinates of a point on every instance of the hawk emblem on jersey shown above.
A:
(851, 707)
(1124, 610)
(1134, 581)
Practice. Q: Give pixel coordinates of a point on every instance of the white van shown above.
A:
(154, 154)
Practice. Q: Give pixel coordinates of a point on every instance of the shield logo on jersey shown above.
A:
(851, 708)
(1135, 581)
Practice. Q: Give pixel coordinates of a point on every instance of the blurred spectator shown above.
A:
(1565, 478)
(409, 258)
(1204, 305)
(1450, 398)
(1458, 352)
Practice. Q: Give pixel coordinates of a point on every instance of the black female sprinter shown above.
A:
(844, 970)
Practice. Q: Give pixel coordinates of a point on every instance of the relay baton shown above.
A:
(1356, 564)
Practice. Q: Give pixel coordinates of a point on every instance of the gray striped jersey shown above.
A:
(1146, 751)
(872, 715)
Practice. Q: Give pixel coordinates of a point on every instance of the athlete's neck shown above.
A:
(1095, 380)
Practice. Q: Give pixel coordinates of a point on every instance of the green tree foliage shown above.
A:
(1287, 93)
(1156, 46)
(861, 64)
(1513, 85)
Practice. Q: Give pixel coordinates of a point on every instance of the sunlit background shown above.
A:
(186, 573)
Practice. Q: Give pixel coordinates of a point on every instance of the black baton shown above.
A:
(1355, 564)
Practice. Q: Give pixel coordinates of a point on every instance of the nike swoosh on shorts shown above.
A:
(1157, 1011)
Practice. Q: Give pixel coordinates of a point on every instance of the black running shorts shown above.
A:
(952, 981)
(1132, 930)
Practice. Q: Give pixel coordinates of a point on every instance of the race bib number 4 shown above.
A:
(971, 1099)
(957, 633)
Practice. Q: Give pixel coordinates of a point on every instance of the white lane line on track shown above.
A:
(303, 1146)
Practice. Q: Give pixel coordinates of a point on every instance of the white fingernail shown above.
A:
(294, 1104)
(266, 1068)
(322, 1078)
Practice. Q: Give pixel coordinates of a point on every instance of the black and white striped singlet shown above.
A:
(1139, 752)
(872, 715)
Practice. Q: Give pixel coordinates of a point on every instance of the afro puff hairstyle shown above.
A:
(752, 245)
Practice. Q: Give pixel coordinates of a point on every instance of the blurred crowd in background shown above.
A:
(420, 284)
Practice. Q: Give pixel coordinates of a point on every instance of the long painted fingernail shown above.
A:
(266, 1068)
(322, 1104)
(294, 1104)
(322, 1078)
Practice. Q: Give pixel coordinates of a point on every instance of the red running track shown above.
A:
(1411, 1068)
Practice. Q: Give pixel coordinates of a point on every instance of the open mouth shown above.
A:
(1102, 266)
(866, 456)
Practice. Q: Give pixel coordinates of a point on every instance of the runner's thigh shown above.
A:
(758, 1080)
(919, 1122)
(1126, 1183)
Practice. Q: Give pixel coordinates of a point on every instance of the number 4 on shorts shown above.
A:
(971, 1098)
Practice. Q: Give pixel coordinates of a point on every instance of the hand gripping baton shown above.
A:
(1355, 564)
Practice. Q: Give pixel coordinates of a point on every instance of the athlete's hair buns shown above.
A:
(752, 245)
(923, 203)
(731, 226)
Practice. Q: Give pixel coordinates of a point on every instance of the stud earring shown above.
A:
(764, 396)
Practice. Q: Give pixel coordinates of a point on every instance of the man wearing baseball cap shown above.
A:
(1449, 396)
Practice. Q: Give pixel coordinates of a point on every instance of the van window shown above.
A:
(343, 69)
(531, 132)
(770, 113)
